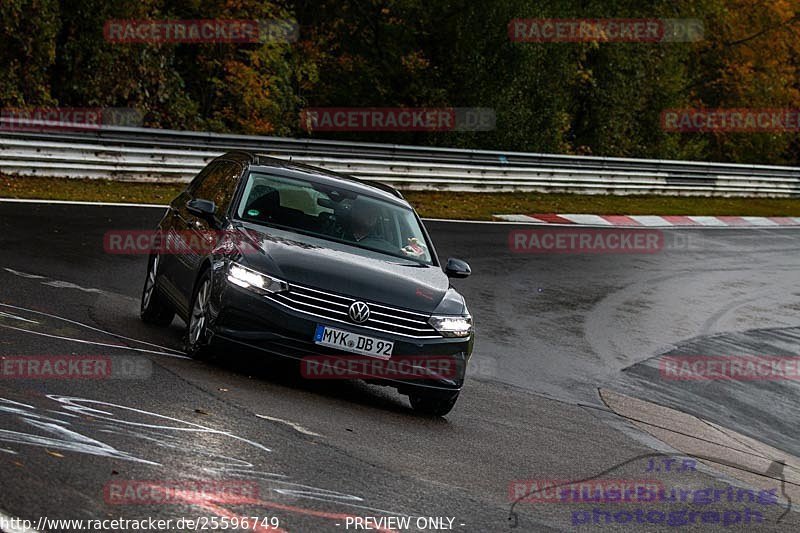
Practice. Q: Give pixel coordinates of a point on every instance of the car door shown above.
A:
(218, 185)
(173, 227)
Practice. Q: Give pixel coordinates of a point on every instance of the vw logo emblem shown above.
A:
(359, 312)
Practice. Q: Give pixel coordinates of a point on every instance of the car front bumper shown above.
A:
(261, 323)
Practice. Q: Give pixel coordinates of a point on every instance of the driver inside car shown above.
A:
(365, 229)
(363, 222)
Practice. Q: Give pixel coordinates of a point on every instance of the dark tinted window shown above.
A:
(197, 180)
(217, 183)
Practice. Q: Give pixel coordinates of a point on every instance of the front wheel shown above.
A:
(197, 343)
(154, 308)
(433, 403)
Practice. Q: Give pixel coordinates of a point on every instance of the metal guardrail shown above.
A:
(136, 154)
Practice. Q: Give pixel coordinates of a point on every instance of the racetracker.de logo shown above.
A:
(612, 30)
(55, 367)
(585, 241)
(200, 31)
(589, 491)
(362, 367)
(734, 368)
(83, 367)
(397, 119)
(738, 120)
(133, 492)
(67, 118)
(145, 242)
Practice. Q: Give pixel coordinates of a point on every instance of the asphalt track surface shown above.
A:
(555, 332)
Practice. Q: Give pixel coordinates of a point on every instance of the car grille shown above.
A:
(332, 306)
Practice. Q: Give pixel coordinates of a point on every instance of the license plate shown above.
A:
(353, 342)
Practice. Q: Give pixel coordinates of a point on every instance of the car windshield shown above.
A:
(333, 213)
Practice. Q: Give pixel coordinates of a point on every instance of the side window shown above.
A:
(218, 184)
(197, 180)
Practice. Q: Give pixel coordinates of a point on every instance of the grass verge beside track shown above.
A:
(455, 205)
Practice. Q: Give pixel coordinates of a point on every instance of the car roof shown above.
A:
(266, 163)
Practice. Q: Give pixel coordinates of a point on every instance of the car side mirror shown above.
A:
(456, 268)
(200, 208)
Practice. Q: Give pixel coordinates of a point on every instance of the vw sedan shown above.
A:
(301, 262)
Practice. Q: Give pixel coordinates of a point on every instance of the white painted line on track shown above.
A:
(293, 425)
(87, 326)
(15, 317)
(103, 344)
(68, 285)
(23, 274)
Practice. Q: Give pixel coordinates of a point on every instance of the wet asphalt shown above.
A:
(551, 329)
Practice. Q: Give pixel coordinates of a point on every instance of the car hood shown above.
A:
(343, 269)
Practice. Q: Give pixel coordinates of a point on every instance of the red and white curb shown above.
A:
(651, 221)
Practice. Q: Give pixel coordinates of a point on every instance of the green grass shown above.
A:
(468, 206)
(481, 206)
(87, 190)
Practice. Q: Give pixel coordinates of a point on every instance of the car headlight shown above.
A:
(452, 325)
(250, 279)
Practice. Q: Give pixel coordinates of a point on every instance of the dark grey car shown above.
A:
(304, 263)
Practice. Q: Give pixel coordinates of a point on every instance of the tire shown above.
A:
(154, 308)
(433, 403)
(196, 343)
